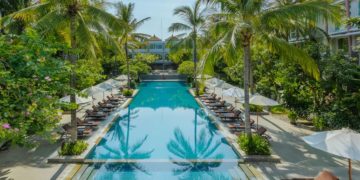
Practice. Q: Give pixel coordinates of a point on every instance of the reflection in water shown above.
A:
(158, 97)
(163, 121)
(201, 149)
(126, 150)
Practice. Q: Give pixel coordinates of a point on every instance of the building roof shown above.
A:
(154, 38)
(172, 38)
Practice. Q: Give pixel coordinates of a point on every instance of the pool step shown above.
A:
(83, 173)
(237, 174)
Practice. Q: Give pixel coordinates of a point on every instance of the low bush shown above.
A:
(73, 148)
(293, 117)
(254, 108)
(279, 110)
(127, 92)
(254, 145)
(68, 106)
(132, 84)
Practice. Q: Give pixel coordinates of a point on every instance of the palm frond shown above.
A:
(179, 27)
(290, 53)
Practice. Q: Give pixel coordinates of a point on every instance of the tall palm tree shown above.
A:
(129, 38)
(244, 22)
(194, 22)
(76, 20)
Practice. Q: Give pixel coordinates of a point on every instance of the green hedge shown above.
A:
(73, 148)
(254, 145)
(127, 92)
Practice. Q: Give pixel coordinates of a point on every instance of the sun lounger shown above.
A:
(100, 109)
(229, 115)
(105, 105)
(239, 125)
(208, 101)
(208, 95)
(84, 131)
(212, 96)
(229, 109)
(92, 124)
(216, 105)
(90, 113)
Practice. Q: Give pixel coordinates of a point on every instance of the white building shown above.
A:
(341, 36)
(154, 46)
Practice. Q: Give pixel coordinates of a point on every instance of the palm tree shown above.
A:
(244, 22)
(194, 21)
(76, 20)
(129, 38)
(7, 7)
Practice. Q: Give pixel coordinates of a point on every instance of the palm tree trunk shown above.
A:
(73, 60)
(195, 64)
(247, 56)
(347, 8)
(251, 78)
(127, 63)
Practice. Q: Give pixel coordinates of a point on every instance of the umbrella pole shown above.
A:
(350, 176)
(257, 121)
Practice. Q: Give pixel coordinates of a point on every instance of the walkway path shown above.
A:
(22, 163)
(298, 158)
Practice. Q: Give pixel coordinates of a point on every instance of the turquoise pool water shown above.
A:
(166, 131)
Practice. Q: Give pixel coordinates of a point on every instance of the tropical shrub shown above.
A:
(137, 67)
(292, 117)
(319, 123)
(127, 92)
(186, 68)
(32, 77)
(73, 148)
(254, 108)
(254, 145)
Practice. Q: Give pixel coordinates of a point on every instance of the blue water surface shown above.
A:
(165, 126)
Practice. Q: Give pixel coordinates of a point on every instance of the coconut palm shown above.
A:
(77, 21)
(7, 7)
(242, 23)
(194, 22)
(128, 37)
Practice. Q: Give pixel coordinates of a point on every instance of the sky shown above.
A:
(161, 13)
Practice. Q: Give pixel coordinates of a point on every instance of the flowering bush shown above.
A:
(32, 77)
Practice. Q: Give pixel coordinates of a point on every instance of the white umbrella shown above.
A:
(114, 83)
(105, 86)
(234, 92)
(226, 86)
(79, 100)
(92, 90)
(121, 78)
(215, 82)
(260, 100)
(344, 143)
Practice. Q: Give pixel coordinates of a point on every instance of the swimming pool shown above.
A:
(164, 134)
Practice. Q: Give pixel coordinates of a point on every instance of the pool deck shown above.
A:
(297, 158)
(24, 163)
